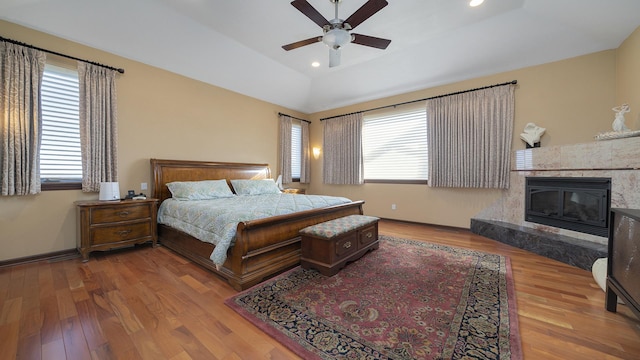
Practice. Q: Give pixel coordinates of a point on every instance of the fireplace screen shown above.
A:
(579, 204)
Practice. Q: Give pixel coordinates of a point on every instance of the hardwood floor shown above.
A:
(149, 303)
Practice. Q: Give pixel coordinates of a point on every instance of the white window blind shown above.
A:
(395, 145)
(60, 157)
(296, 151)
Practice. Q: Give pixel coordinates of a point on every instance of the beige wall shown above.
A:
(628, 78)
(572, 99)
(164, 115)
(160, 115)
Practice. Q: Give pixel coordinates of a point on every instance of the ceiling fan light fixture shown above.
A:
(336, 31)
(474, 3)
(336, 38)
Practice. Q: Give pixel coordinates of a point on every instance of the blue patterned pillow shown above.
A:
(255, 187)
(199, 190)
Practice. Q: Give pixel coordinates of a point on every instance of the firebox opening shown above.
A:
(578, 204)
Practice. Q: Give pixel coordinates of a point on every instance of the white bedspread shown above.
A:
(215, 221)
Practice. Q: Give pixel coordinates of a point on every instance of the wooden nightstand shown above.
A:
(293, 191)
(104, 225)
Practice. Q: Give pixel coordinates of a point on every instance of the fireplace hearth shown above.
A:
(573, 203)
(504, 220)
(563, 248)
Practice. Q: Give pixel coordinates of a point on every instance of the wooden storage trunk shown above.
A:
(329, 246)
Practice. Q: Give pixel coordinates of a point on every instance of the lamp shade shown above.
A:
(109, 191)
(336, 38)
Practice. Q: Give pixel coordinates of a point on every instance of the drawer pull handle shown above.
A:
(123, 213)
(369, 235)
(347, 245)
(124, 233)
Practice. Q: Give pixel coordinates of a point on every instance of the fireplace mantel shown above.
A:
(618, 159)
(616, 154)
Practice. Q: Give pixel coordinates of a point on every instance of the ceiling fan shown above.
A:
(336, 31)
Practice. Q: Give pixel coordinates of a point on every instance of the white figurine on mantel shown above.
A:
(532, 134)
(618, 122)
(619, 128)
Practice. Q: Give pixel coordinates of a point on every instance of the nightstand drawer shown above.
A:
(120, 213)
(111, 234)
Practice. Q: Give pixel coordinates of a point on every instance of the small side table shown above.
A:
(293, 191)
(104, 225)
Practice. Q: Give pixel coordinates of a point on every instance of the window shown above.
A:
(60, 157)
(395, 146)
(296, 151)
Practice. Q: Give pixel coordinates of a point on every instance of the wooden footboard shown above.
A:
(268, 246)
(262, 247)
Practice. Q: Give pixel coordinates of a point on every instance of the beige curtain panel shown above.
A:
(98, 125)
(342, 148)
(21, 71)
(285, 149)
(470, 137)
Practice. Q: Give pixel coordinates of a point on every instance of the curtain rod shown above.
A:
(293, 117)
(425, 99)
(121, 71)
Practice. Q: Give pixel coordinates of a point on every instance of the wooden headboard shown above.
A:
(166, 171)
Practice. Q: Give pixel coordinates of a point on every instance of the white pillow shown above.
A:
(255, 187)
(199, 190)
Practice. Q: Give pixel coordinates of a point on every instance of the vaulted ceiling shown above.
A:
(236, 44)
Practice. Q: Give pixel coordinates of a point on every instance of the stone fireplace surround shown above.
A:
(618, 159)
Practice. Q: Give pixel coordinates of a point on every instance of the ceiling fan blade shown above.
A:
(302, 43)
(366, 11)
(372, 41)
(310, 12)
(334, 57)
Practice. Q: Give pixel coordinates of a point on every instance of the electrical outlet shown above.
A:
(393, 206)
(143, 186)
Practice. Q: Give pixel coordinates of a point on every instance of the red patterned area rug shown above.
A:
(406, 300)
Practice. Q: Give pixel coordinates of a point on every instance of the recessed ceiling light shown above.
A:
(475, 2)
(315, 64)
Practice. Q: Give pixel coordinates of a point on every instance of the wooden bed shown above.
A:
(262, 247)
